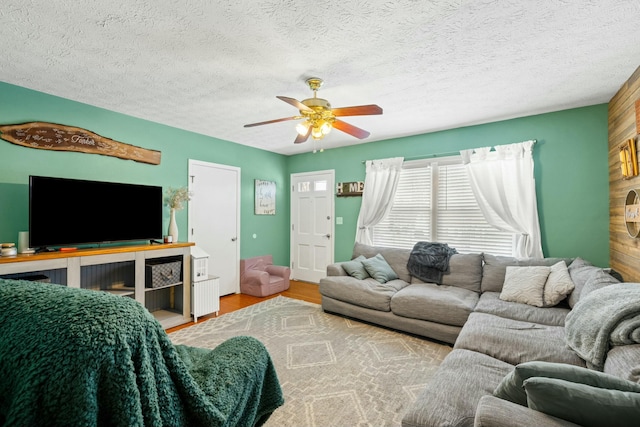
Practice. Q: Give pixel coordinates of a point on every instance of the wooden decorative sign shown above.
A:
(347, 189)
(51, 136)
(632, 213)
(638, 116)
(629, 159)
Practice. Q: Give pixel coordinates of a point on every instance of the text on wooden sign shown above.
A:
(52, 136)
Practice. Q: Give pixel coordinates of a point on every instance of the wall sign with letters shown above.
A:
(51, 136)
(265, 202)
(347, 189)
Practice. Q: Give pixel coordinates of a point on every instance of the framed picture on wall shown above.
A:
(265, 192)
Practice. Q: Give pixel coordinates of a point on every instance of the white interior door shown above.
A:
(311, 224)
(214, 219)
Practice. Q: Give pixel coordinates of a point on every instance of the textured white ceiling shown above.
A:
(213, 66)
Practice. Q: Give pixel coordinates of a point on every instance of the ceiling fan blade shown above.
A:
(272, 121)
(350, 129)
(299, 105)
(302, 138)
(359, 110)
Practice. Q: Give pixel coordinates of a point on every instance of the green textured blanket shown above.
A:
(87, 358)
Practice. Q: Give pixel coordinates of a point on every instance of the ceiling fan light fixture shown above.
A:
(325, 128)
(303, 127)
(319, 117)
(316, 133)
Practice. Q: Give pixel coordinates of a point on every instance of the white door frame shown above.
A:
(239, 216)
(332, 213)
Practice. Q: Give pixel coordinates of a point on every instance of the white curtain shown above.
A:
(380, 185)
(504, 186)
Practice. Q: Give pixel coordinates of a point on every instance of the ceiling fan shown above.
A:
(319, 117)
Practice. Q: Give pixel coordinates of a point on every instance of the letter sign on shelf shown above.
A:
(346, 189)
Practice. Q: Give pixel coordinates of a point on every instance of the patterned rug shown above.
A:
(333, 371)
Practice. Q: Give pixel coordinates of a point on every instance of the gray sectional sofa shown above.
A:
(490, 336)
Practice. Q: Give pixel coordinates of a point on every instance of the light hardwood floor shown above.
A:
(228, 303)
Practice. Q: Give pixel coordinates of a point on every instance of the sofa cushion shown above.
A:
(491, 303)
(495, 268)
(587, 278)
(495, 412)
(379, 269)
(451, 395)
(525, 284)
(580, 270)
(598, 281)
(367, 293)
(396, 258)
(582, 404)
(515, 341)
(437, 303)
(336, 269)
(624, 361)
(511, 387)
(423, 328)
(355, 268)
(558, 285)
(465, 271)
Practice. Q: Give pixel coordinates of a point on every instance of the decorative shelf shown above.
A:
(163, 287)
(120, 292)
(632, 213)
(171, 305)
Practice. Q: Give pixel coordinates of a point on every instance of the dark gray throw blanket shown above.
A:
(75, 357)
(428, 261)
(604, 318)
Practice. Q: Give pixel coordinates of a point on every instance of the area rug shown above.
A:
(334, 371)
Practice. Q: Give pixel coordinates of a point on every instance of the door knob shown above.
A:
(233, 239)
(328, 236)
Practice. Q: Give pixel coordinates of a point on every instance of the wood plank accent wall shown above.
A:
(624, 250)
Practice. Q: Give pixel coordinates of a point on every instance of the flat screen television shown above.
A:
(65, 212)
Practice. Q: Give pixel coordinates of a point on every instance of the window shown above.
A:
(304, 187)
(320, 185)
(434, 203)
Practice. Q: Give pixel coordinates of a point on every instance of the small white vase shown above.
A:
(173, 227)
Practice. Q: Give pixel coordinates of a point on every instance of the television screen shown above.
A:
(70, 212)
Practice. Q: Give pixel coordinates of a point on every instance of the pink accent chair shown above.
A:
(259, 277)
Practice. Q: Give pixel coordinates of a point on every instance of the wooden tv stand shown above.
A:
(117, 269)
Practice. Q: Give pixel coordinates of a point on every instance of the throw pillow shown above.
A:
(582, 404)
(354, 268)
(598, 280)
(558, 285)
(511, 386)
(525, 285)
(495, 268)
(583, 272)
(379, 269)
(579, 270)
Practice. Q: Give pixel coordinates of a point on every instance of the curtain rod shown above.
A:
(449, 153)
(426, 156)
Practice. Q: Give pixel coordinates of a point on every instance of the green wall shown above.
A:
(18, 105)
(570, 168)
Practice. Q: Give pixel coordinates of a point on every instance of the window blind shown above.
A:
(409, 219)
(434, 202)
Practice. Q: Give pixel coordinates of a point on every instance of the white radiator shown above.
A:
(205, 297)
